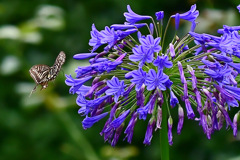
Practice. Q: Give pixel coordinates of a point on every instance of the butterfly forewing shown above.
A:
(54, 70)
(42, 74)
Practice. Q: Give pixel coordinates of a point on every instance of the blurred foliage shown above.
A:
(46, 125)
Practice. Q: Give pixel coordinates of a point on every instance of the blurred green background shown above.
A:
(46, 125)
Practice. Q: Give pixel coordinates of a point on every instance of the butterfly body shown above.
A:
(42, 73)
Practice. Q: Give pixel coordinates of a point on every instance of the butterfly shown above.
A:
(42, 73)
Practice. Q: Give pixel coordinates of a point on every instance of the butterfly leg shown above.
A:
(33, 90)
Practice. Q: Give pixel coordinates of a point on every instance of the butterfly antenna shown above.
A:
(33, 90)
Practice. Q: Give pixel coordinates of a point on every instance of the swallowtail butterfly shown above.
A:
(42, 74)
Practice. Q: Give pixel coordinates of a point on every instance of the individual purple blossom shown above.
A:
(181, 119)
(180, 68)
(159, 15)
(162, 62)
(117, 135)
(226, 97)
(93, 88)
(139, 78)
(109, 36)
(173, 99)
(116, 88)
(151, 27)
(159, 118)
(223, 58)
(122, 34)
(189, 109)
(89, 121)
(83, 90)
(156, 80)
(97, 60)
(150, 43)
(236, 66)
(132, 17)
(143, 111)
(82, 56)
(170, 124)
(141, 54)
(129, 130)
(95, 40)
(235, 120)
(228, 29)
(75, 84)
(148, 135)
(88, 105)
(219, 73)
(172, 50)
(191, 16)
(234, 91)
(225, 114)
(140, 97)
(118, 121)
(238, 7)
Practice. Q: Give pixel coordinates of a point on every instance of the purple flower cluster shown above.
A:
(132, 78)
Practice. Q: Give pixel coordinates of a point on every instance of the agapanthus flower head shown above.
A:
(136, 77)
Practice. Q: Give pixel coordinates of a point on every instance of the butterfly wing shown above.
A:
(55, 69)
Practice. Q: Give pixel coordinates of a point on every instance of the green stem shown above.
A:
(164, 146)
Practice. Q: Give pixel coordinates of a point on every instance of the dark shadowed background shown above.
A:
(46, 125)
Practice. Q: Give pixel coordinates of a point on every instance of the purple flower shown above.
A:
(156, 80)
(117, 135)
(189, 109)
(88, 105)
(148, 135)
(181, 119)
(143, 111)
(162, 61)
(89, 121)
(191, 16)
(139, 77)
(81, 56)
(95, 40)
(75, 84)
(141, 54)
(122, 34)
(150, 43)
(170, 124)
(182, 77)
(221, 57)
(118, 121)
(219, 73)
(159, 118)
(108, 36)
(130, 127)
(235, 66)
(172, 50)
(159, 15)
(234, 91)
(235, 120)
(173, 99)
(228, 29)
(93, 88)
(116, 88)
(132, 17)
(226, 97)
(238, 7)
